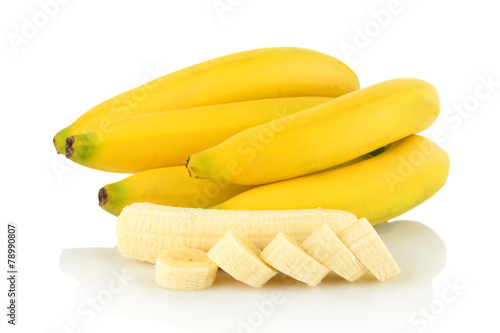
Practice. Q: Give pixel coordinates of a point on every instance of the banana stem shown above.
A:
(69, 146)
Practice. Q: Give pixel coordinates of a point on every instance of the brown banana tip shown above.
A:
(187, 162)
(103, 196)
(69, 146)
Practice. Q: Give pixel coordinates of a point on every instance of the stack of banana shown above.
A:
(271, 135)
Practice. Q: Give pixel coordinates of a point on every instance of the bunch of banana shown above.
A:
(291, 120)
(289, 164)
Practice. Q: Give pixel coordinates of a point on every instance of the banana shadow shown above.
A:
(122, 287)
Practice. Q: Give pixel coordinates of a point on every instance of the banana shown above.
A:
(168, 138)
(184, 269)
(244, 76)
(240, 259)
(169, 186)
(364, 242)
(324, 246)
(380, 188)
(146, 230)
(285, 254)
(322, 136)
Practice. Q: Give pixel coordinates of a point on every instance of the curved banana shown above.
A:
(323, 136)
(255, 74)
(380, 188)
(168, 138)
(170, 186)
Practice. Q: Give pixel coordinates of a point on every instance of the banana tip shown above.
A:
(103, 196)
(54, 141)
(69, 146)
(187, 167)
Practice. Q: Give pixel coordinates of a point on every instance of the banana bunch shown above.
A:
(261, 161)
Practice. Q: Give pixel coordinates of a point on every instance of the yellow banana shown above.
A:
(168, 138)
(380, 188)
(170, 186)
(322, 136)
(255, 74)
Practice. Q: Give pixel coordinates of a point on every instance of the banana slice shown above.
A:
(286, 255)
(184, 269)
(324, 246)
(240, 259)
(366, 245)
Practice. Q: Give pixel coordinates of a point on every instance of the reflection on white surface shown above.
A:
(113, 285)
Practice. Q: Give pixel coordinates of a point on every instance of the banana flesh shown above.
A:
(328, 249)
(286, 255)
(184, 269)
(364, 242)
(240, 259)
(146, 230)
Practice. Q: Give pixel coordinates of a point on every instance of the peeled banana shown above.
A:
(380, 188)
(169, 186)
(244, 76)
(240, 259)
(146, 230)
(165, 139)
(323, 136)
(324, 246)
(185, 269)
(286, 255)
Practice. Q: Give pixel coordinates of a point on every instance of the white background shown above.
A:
(91, 50)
